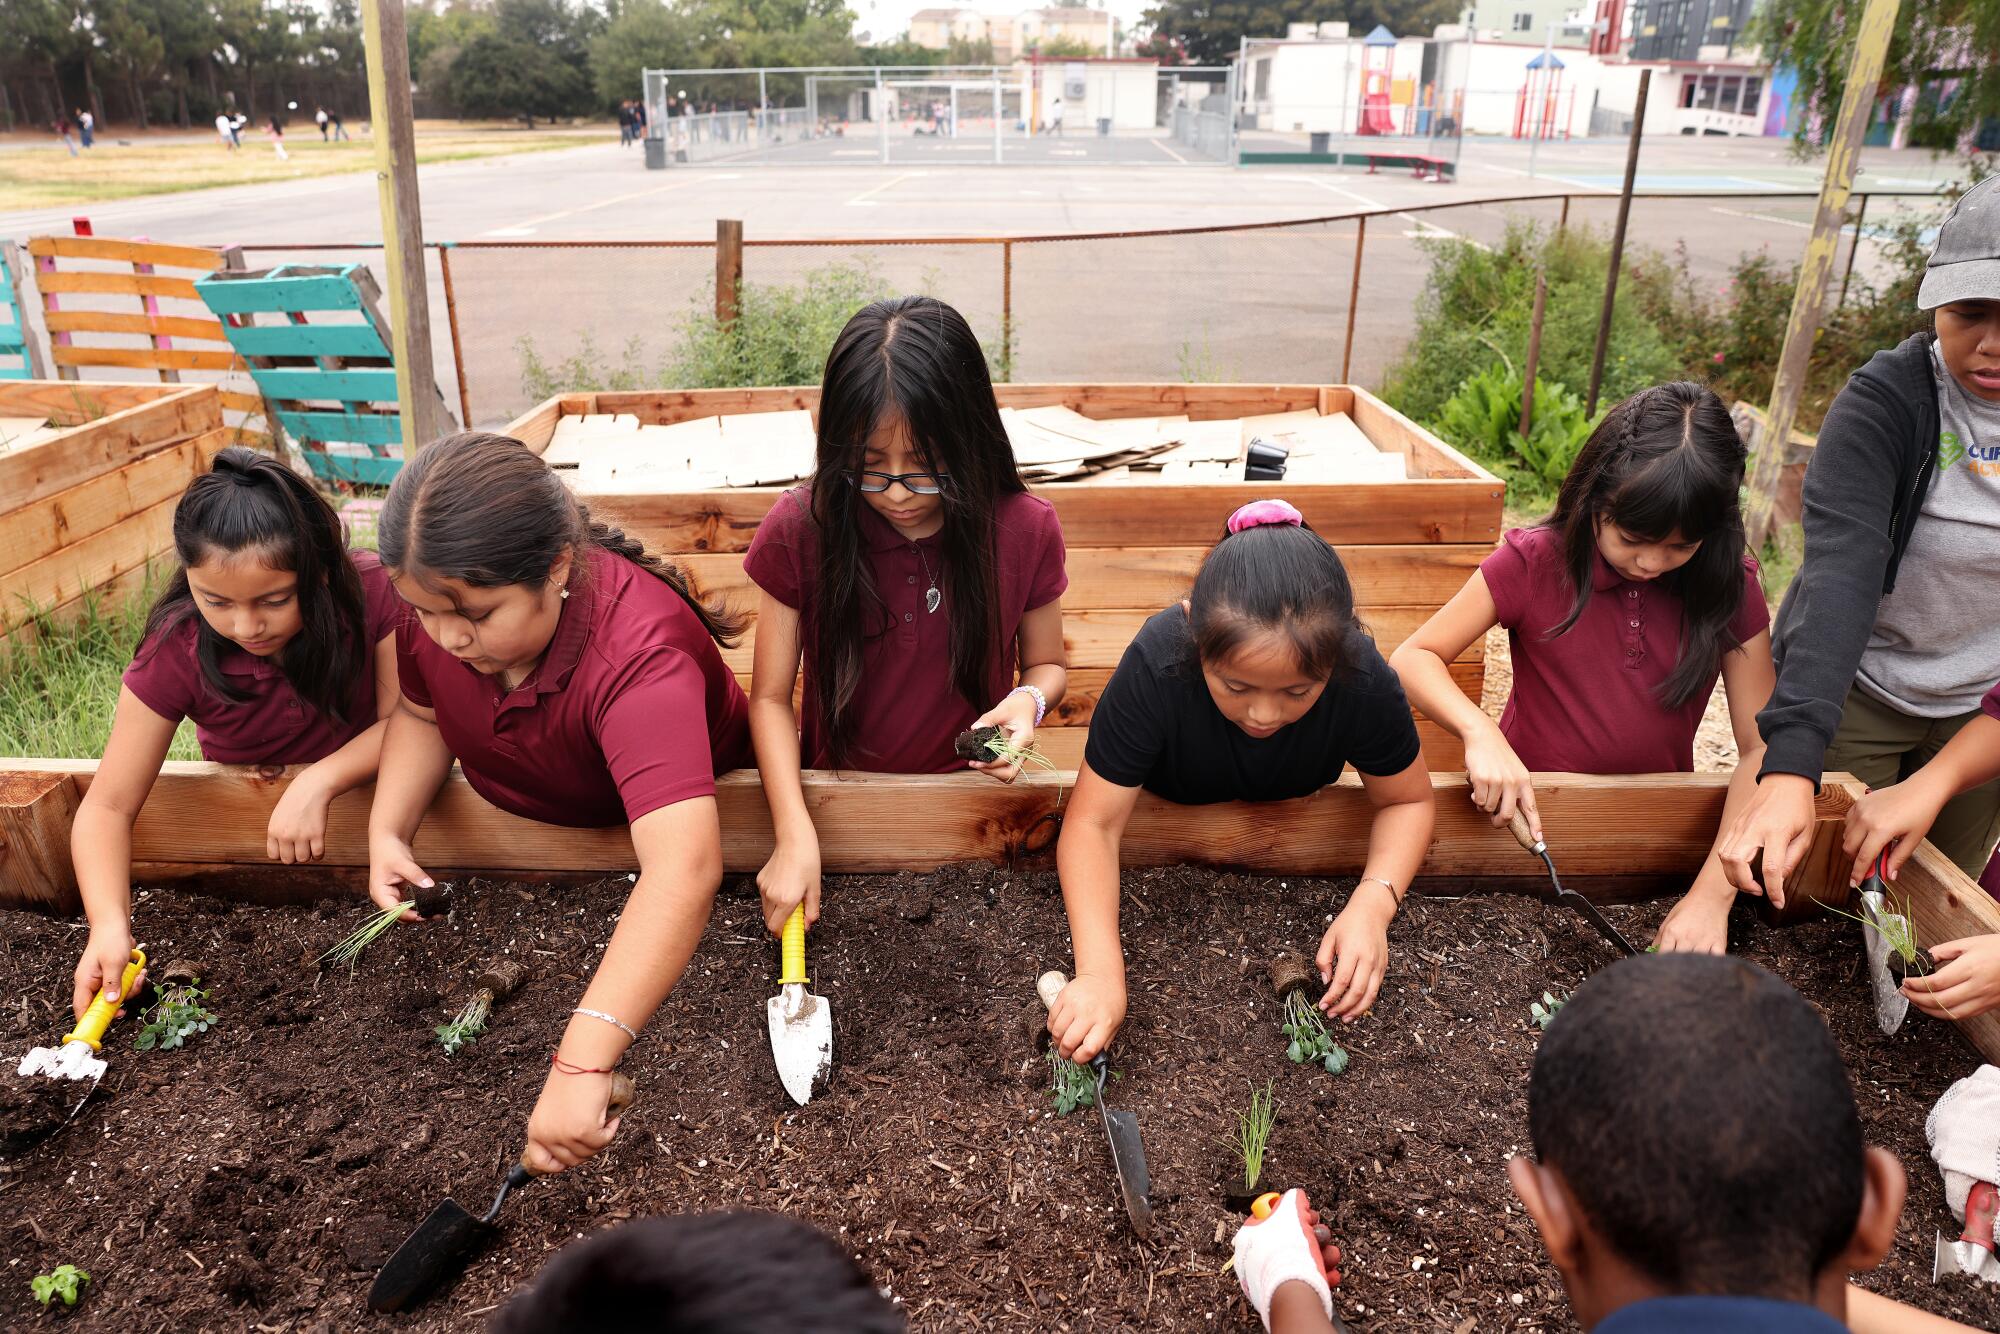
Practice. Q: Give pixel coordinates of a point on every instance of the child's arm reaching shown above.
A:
(1897, 818)
(297, 831)
(1354, 952)
(1044, 664)
(791, 875)
(1500, 782)
(1087, 1014)
(101, 841)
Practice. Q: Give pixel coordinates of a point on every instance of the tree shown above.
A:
(1209, 30)
(647, 34)
(493, 76)
(969, 51)
(1061, 45)
(1944, 49)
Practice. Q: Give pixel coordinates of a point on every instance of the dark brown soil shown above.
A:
(33, 1106)
(257, 1177)
(975, 744)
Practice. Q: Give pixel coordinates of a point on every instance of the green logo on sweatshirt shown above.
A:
(1949, 450)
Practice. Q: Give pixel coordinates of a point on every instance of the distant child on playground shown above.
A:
(278, 642)
(1622, 607)
(913, 577)
(1259, 686)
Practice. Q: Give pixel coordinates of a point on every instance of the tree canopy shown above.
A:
(1209, 30)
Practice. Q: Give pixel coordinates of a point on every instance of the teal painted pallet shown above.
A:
(13, 327)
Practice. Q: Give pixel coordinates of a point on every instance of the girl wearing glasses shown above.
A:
(913, 576)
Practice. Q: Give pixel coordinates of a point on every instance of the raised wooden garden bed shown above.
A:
(89, 476)
(1133, 546)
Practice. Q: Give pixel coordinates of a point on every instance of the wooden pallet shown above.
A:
(322, 360)
(20, 355)
(169, 317)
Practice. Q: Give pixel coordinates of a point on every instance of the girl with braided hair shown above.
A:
(1621, 610)
(577, 681)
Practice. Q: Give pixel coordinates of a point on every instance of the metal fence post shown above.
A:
(1353, 296)
(451, 320)
(1852, 250)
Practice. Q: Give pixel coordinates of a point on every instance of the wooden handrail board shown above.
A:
(179, 414)
(148, 358)
(123, 322)
(129, 252)
(1425, 574)
(33, 531)
(67, 574)
(118, 284)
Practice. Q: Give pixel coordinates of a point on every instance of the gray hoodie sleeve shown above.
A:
(1850, 499)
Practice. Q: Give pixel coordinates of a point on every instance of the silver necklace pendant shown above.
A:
(932, 598)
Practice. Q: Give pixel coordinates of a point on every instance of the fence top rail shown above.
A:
(1387, 210)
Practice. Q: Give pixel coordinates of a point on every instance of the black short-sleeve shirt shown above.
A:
(1157, 727)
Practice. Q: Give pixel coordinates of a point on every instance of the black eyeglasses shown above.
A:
(922, 483)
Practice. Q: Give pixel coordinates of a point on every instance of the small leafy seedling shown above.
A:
(1253, 1133)
(469, 1024)
(1309, 1038)
(989, 744)
(431, 901)
(1072, 1085)
(178, 1016)
(64, 1281)
(1543, 1012)
(1906, 960)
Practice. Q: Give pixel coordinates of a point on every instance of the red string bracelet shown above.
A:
(565, 1068)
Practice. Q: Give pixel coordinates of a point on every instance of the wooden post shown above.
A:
(1617, 244)
(457, 347)
(1864, 74)
(1534, 354)
(1007, 305)
(1353, 296)
(10, 259)
(417, 394)
(728, 269)
(35, 814)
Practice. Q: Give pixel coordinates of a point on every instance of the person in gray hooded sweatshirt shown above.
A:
(1891, 632)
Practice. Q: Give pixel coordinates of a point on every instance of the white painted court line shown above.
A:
(857, 152)
(1161, 145)
(528, 227)
(864, 196)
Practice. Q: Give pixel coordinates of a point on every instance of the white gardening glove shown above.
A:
(1964, 1134)
(1284, 1248)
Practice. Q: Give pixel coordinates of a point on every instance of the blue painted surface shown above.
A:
(13, 329)
(279, 291)
(308, 340)
(348, 468)
(345, 386)
(344, 427)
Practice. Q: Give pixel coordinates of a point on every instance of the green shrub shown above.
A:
(1484, 419)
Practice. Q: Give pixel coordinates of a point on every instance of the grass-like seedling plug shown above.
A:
(469, 1024)
(64, 1281)
(1543, 1012)
(1905, 959)
(1253, 1133)
(434, 901)
(1071, 1085)
(178, 1016)
(990, 744)
(1309, 1038)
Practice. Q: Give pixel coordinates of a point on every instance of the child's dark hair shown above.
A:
(1667, 460)
(732, 1273)
(1700, 1113)
(1276, 578)
(251, 502)
(484, 509)
(916, 358)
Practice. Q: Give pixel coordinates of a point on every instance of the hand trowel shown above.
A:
(445, 1242)
(1121, 1129)
(1517, 824)
(801, 1023)
(76, 1062)
(1972, 1253)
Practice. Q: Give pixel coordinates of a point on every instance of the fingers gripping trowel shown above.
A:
(1972, 1253)
(801, 1023)
(77, 1060)
(1121, 1129)
(1517, 824)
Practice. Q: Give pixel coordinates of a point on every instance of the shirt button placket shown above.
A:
(1634, 627)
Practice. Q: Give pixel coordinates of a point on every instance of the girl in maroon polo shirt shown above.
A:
(1621, 609)
(576, 680)
(278, 642)
(914, 576)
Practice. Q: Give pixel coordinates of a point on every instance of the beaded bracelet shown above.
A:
(1035, 693)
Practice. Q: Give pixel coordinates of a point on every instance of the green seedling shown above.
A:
(1253, 1133)
(64, 1281)
(1072, 1085)
(178, 1016)
(1901, 937)
(1309, 1037)
(1543, 1012)
(431, 901)
(469, 1024)
(989, 744)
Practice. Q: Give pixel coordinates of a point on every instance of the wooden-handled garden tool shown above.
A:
(1121, 1129)
(801, 1023)
(1517, 824)
(1972, 1253)
(76, 1062)
(444, 1243)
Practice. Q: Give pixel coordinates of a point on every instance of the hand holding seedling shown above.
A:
(1354, 953)
(1087, 1015)
(1895, 818)
(1500, 783)
(297, 832)
(1015, 717)
(1777, 824)
(1966, 983)
(789, 878)
(393, 874)
(1288, 1245)
(105, 955)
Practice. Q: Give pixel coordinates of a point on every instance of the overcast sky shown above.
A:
(883, 19)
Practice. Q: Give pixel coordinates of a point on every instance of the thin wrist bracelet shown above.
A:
(1041, 700)
(1386, 885)
(631, 1032)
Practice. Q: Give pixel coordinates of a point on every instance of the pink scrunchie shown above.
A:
(1260, 512)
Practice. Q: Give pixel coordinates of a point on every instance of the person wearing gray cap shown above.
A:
(1890, 634)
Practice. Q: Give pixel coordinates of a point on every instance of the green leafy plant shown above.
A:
(64, 1281)
(1543, 1012)
(1309, 1037)
(1253, 1133)
(1484, 417)
(178, 1016)
(1072, 1085)
(469, 1023)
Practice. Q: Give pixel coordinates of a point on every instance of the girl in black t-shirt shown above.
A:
(1261, 686)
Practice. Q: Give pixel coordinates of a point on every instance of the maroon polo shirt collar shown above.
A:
(1603, 578)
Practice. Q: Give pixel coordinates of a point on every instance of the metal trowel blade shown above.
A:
(1957, 1256)
(801, 1027)
(438, 1249)
(74, 1062)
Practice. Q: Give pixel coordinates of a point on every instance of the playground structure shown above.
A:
(1543, 109)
